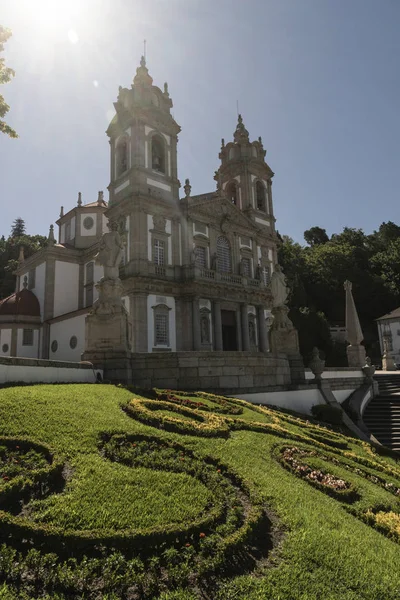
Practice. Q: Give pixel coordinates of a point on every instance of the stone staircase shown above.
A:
(382, 415)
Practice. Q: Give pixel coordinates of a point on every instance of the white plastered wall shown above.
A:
(62, 332)
(5, 339)
(28, 351)
(65, 287)
(73, 228)
(153, 300)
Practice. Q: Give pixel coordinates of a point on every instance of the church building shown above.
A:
(196, 270)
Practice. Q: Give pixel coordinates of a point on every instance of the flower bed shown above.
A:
(293, 458)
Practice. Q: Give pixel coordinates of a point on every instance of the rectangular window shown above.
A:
(90, 272)
(89, 295)
(201, 256)
(31, 279)
(161, 329)
(246, 267)
(200, 228)
(266, 275)
(68, 231)
(245, 241)
(158, 252)
(27, 337)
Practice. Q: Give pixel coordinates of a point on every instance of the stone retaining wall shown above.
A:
(224, 372)
(34, 370)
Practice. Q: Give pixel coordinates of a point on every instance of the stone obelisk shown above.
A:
(354, 335)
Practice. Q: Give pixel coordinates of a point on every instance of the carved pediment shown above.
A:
(222, 213)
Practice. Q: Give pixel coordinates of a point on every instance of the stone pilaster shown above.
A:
(217, 326)
(262, 330)
(245, 327)
(196, 324)
(139, 320)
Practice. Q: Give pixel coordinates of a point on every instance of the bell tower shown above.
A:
(143, 142)
(245, 178)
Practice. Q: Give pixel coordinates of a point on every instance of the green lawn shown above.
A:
(191, 507)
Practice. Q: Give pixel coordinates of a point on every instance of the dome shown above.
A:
(22, 303)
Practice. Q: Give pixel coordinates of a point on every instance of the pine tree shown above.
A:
(18, 228)
(5, 76)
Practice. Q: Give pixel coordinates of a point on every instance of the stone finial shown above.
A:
(317, 365)
(79, 199)
(241, 134)
(21, 256)
(51, 240)
(166, 92)
(142, 77)
(187, 188)
(25, 283)
(260, 140)
(62, 212)
(222, 143)
(100, 198)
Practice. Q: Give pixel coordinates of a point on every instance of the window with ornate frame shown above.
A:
(158, 154)
(121, 154)
(161, 325)
(159, 257)
(27, 337)
(224, 255)
(201, 258)
(261, 196)
(245, 267)
(231, 191)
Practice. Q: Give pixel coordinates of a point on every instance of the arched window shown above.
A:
(122, 157)
(232, 193)
(224, 255)
(157, 154)
(260, 196)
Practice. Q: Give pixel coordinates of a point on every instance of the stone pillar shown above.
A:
(245, 328)
(262, 330)
(196, 324)
(140, 327)
(238, 331)
(218, 327)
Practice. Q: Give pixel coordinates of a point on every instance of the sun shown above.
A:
(55, 19)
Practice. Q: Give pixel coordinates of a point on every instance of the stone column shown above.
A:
(218, 327)
(196, 324)
(245, 328)
(262, 330)
(238, 331)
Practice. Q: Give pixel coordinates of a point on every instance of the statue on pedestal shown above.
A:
(279, 288)
(110, 253)
(283, 334)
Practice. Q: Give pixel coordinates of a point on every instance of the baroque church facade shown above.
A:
(196, 270)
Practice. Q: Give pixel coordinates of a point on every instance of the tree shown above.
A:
(315, 236)
(9, 253)
(18, 228)
(5, 76)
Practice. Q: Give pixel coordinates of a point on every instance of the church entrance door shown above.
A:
(229, 339)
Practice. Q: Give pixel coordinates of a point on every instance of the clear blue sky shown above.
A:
(319, 80)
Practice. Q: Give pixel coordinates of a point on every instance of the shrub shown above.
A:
(329, 414)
